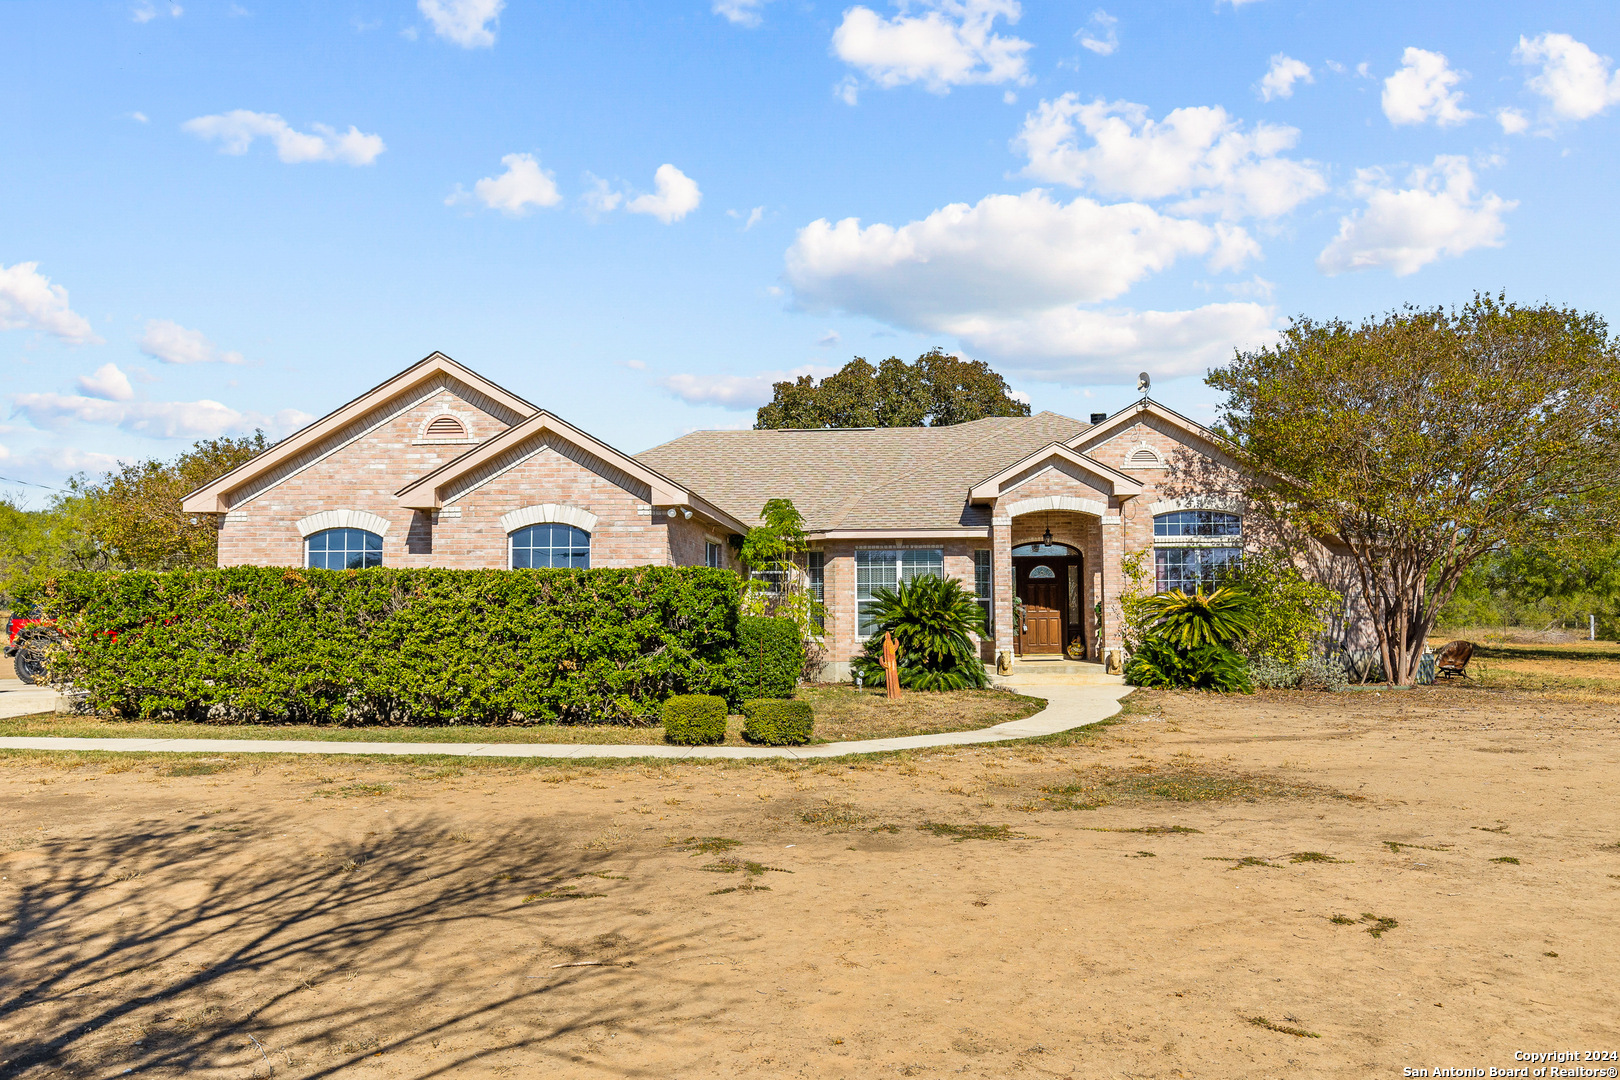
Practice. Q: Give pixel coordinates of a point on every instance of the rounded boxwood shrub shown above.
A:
(770, 656)
(695, 720)
(777, 723)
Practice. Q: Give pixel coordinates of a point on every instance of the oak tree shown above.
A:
(938, 389)
(1418, 443)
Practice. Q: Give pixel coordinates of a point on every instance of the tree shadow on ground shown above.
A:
(186, 948)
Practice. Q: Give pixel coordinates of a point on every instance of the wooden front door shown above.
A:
(1043, 618)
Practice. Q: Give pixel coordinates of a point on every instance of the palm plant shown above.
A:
(930, 617)
(1191, 621)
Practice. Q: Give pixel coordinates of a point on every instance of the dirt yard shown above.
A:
(1282, 885)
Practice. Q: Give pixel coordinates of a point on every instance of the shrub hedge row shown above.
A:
(772, 656)
(397, 646)
(778, 723)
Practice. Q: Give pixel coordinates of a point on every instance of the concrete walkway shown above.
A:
(1069, 707)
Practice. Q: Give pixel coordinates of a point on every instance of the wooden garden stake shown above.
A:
(891, 665)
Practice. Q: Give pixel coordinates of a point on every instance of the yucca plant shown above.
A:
(930, 618)
(1191, 621)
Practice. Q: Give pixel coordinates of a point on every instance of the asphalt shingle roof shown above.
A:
(858, 478)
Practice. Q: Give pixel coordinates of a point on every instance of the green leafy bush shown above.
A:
(1199, 618)
(778, 723)
(1290, 613)
(770, 656)
(930, 617)
(385, 646)
(1159, 662)
(695, 720)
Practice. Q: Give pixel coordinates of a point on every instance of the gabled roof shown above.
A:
(428, 492)
(1118, 483)
(852, 479)
(209, 499)
(1101, 433)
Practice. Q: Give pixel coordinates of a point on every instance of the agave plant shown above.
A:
(1191, 621)
(930, 618)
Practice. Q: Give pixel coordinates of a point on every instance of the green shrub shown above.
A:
(385, 646)
(1311, 673)
(1158, 662)
(930, 617)
(778, 723)
(1290, 612)
(1202, 618)
(770, 656)
(695, 720)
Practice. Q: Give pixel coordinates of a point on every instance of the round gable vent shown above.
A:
(446, 427)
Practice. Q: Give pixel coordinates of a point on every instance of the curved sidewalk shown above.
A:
(1068, 707)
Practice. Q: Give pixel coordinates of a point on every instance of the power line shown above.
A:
(28, 483)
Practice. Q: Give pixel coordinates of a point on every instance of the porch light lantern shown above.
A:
(1046, 537)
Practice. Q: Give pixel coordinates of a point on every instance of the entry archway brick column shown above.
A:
(1001, 572)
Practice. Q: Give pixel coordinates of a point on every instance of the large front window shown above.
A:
(343, 549)
(1194, 548)
(876, 570)
(982, 587)
(551, 545)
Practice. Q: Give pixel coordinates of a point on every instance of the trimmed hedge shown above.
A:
(770, 656)
(777, 723)
(386, 646)
(695, 720)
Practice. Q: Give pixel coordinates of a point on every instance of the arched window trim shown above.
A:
(361, 543)
(1037, 550)
(1143, 456)
(1042, 573)
(462, 420)
(577, 539)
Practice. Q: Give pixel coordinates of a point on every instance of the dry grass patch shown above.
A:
(844, 713)
(1099, 786)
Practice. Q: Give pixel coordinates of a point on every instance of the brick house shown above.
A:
(440, 467)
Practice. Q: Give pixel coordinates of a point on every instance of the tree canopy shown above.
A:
(1422, 441)
(129, 519)
(937, 390)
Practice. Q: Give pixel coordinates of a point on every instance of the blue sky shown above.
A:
(218, 216)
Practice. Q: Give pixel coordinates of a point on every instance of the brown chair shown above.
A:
(1452, 660)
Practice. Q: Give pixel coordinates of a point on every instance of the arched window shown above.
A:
(342, 549)
(1048, 551)
(1194, 548)
(445, 427)
(1144, 457)
(1041, 573)
(551, 544)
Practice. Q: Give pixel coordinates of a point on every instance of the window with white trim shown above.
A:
(342, 549)
(551, 544)
(876, 570)
(815, 579)
(1194, 548)
(712, 555)
(982, 586)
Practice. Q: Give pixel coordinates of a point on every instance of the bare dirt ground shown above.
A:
(1333, 864)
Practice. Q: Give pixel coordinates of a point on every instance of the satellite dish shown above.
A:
(1143, 383)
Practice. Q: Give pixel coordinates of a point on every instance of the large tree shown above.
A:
(937, 390)
(1419, 442)
(134, 516)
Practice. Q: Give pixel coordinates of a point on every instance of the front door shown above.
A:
(1043, 618)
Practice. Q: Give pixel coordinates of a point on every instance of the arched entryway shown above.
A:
(1047, 579)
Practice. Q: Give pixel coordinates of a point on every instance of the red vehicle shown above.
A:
(26, 634)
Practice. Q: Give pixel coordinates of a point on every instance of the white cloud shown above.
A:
(750, 219)
(1404, 229)
(828, 340)
(600, 198)
(1007, 276)
(28, 301)
(675, 196)
(524, 184)
(1200, 152)
(1103, 36)
(1422, 90)
(107, 383)
(138, 117)
(735, 391)
(468, 23)
(174, 344)
(848, 90)
(156, 419)
(146, 11)
(1070, 345)
(950, 43)
(1513, 121)
(741, 12)
(1575, 81)
(237, 130)
(1279, 80)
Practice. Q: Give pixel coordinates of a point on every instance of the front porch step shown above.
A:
(1055, 673)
